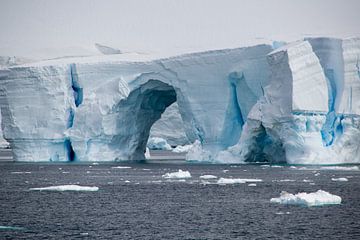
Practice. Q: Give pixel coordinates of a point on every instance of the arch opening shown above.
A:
(138, 112)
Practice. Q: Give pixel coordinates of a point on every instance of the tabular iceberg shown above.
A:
(298, 103)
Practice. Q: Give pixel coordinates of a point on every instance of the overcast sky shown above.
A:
(49, 27)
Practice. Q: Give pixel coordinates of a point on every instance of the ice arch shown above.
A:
(140, 110)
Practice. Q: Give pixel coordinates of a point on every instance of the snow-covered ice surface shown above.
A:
(178, 174)
(62, 188)
(182, 149)
(296, 104)
(318, 198)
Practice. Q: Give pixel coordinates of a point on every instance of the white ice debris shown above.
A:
(178, 174)
(121, 167)
(252, 185)
(147, 153)
(182, 149)
(342, 179)
(237, 180)
(62, 188)
(156, 143)
(318, 198)
(208, 177)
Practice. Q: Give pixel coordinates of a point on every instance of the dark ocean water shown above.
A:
(137, 203)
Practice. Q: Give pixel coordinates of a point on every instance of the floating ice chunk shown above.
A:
(252, 185)
(121, 167)
(62, 188)
(237, 180)
(182, 149)
(307, 180)
(287, 180)
(282, 213)
(342, 179)
(179, 174)
(156, 143)
(11, 228)
(208, 177)
(20, 172)
(318, 198)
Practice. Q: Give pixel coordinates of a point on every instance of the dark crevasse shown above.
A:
(78, 98)
(70, 153)
(78, 91)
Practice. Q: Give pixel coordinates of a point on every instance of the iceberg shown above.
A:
(62, 188)
(291, 103)
(319, 198)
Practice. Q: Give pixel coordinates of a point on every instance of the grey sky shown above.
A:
(48, 27)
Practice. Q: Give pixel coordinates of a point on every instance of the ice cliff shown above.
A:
(298, 103)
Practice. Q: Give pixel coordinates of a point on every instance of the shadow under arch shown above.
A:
(137, 113)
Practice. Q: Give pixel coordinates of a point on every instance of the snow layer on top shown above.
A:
(318, 198)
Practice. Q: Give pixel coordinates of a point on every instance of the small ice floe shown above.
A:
(286, 180)
(178, 174)
(237, 180)
(5, 228)
(282, 213)
(252, 185)
(20, 172)
(121, 167)
(318, 198)
(127, 181)
(208, 177)
(62, 188)
(317, 174)
(307, 180)
(95, 163)
(276, 166)
(65, 172)
(225, 171)
(342, 179)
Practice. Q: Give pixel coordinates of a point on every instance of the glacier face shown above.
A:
(298, 103)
